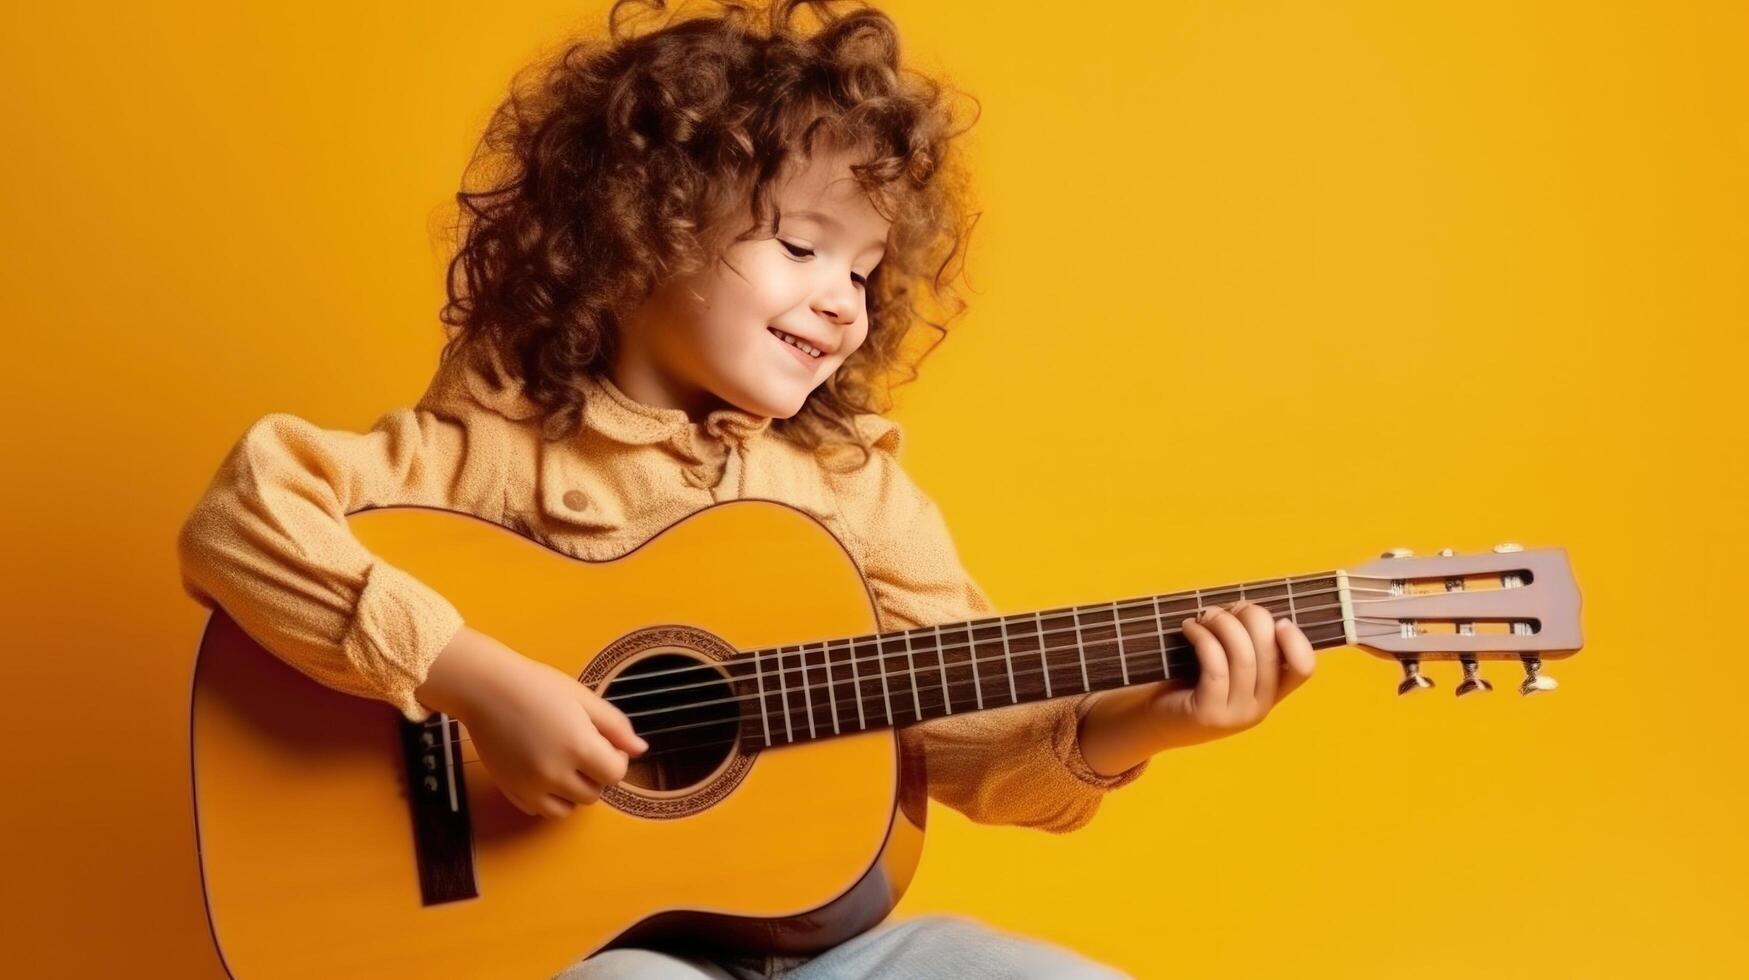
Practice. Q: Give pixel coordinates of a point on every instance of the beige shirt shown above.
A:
(268, 542)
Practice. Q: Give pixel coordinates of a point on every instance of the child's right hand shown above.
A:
(549, 742)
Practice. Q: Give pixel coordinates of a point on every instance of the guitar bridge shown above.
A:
(443, 840)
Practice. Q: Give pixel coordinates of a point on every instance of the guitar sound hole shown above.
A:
(686, 710)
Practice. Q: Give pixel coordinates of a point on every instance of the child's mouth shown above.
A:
(796, 352)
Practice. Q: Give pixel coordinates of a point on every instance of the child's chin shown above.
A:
(786, 411)
(784, 405)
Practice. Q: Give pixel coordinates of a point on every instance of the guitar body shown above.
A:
(305, 798)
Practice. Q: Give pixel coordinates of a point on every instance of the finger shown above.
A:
(1260, 626)
(600, 760)
(517, 802)
(1215, 680)
(1298, 657)
(555, 807)
(1241, 659)
(611, 722)
(574, 786)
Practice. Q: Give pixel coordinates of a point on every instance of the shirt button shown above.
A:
(575, 500)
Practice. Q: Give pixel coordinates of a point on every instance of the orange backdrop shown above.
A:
(1262, 288)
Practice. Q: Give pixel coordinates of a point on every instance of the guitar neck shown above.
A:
(852, 684)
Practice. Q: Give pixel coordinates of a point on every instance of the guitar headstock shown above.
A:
(1505, 604)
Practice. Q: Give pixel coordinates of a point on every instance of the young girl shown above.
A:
(692, 279)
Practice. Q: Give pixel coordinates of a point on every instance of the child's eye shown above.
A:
(802, 252)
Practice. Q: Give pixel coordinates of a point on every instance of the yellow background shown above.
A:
(1262, 288)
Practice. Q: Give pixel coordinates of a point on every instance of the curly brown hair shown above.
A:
(615, 163)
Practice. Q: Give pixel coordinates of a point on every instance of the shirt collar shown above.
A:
(617, 415)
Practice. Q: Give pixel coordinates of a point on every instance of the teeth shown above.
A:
(797, 342)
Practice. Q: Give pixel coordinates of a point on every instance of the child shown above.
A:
(692, 284)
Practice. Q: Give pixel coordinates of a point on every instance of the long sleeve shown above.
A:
(1018, 765)
(268, 542)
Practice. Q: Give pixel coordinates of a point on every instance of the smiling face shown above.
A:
(711, 338)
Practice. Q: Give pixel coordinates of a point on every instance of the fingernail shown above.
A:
(1284, 621)
(642, 745)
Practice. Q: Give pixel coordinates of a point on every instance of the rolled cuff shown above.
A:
(1066, 740)
(398, 628)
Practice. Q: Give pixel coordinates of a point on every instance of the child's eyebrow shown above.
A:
(835, 225)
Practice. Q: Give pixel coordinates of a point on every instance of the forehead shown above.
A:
(822, 189)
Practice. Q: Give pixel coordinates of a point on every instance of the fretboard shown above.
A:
(853, 684)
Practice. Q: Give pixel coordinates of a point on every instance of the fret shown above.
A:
(803, 686)
(807, 688)
(783, 685)
(831, 684)
(1153, 630)
(1123, 662)
(1080, 647)
(1270, 595)
(1046, 664)
(1102, 637)
(856, 685)
(941, 662)
(1008, 662)
(922, 671)
(886, 695)
(1293, 613)
(911, 665)
(759, 680)
(1165, 665)
(952, 675)
(977, 685)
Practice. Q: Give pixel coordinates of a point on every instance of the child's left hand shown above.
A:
(1249, 661)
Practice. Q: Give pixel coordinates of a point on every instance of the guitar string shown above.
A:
(736, 721)
(806, 683)
(1121, 604)
(1183, 661)
(778, 676)
(1118, 607)
(856, 645)
(860, 656)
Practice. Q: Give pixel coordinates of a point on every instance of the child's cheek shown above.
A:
(762, 285)
(855, 338)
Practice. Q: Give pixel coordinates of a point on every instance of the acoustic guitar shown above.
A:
(776, 808)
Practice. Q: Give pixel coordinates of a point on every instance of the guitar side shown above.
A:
(302, 794)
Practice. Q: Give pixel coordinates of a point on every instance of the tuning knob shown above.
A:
(1413, 679)
(1473, 680)
(1398, 553)
(1535, 681)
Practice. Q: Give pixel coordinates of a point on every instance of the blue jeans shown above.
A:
(911, 949)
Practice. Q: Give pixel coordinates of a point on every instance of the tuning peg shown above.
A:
(1473, 680)
(1398, 553)
(1533, 680)
(1413, 679)
(1501, 549)
(1446, 552)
